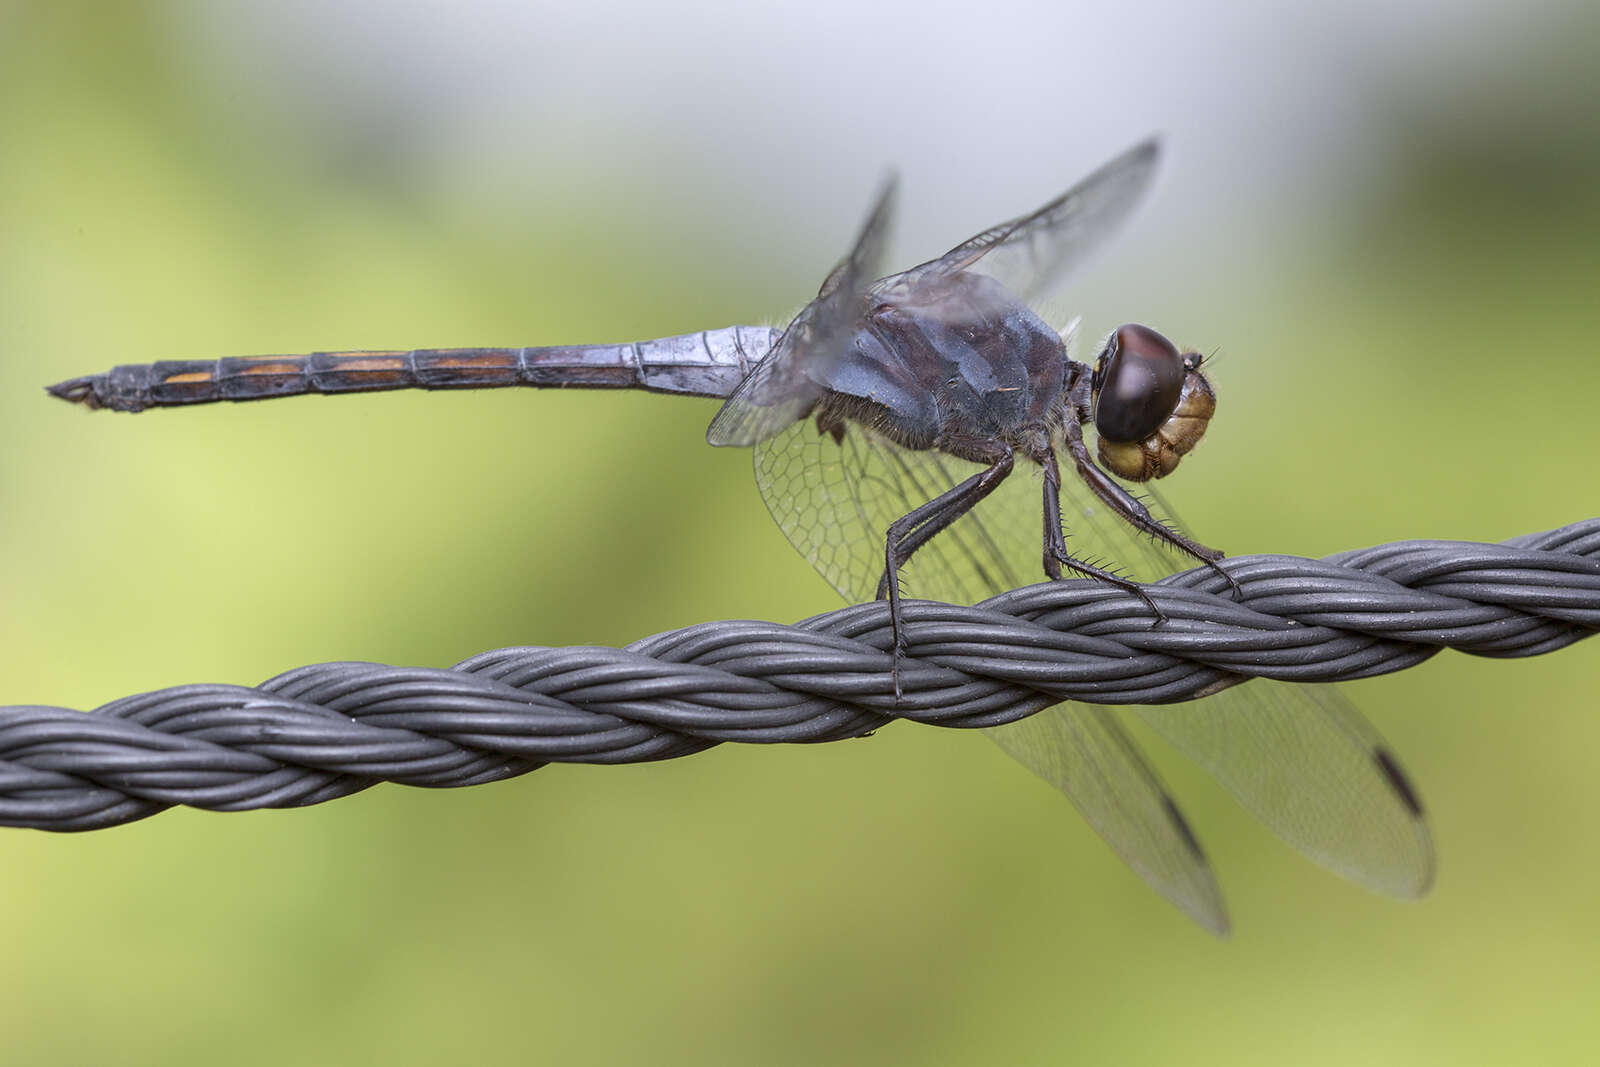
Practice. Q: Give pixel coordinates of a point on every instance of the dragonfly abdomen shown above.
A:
(709, 363)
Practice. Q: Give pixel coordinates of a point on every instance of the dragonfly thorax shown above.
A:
(943, 360)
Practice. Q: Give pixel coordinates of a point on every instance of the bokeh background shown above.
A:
(1385, 219)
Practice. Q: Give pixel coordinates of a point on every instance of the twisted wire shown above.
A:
(332, 729)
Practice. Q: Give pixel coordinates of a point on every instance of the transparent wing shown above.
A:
(1082, 751)
(1299, 757)
(1033, 254)
(834, 500)
(1310, 766)
(1316, 772)
(784, 386)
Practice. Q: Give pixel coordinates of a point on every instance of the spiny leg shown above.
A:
(930, 518)
(1128, 507)
(919, 526)
(1055, 543)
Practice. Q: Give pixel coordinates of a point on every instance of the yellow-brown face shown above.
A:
(1151, 404)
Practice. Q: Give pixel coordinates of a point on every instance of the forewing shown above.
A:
(1301, 758)
(1316, 772)
(785, 385)
(1306, 763)
(1033, 254)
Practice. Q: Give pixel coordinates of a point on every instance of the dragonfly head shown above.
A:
(1151, 404)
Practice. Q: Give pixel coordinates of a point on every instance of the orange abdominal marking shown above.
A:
(193, 377)
(373, 361)
(271, 368)
(477, 362)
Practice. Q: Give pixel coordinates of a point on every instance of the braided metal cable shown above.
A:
(333, 729)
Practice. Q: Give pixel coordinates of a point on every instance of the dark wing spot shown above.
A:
(1397, 779)
(1176, 818)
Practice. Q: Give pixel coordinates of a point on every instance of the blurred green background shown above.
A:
(1386, 221)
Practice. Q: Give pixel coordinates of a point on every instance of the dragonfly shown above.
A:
(889, 421)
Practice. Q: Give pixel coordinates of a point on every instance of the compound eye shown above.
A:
(1138, 380)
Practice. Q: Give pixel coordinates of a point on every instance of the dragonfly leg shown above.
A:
(1128, 507)
(1055, 543)
(919, 526)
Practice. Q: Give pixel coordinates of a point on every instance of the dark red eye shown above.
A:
(1137, 382)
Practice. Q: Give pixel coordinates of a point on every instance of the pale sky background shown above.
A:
(739, 120)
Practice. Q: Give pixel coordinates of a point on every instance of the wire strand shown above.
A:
(332, 729)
